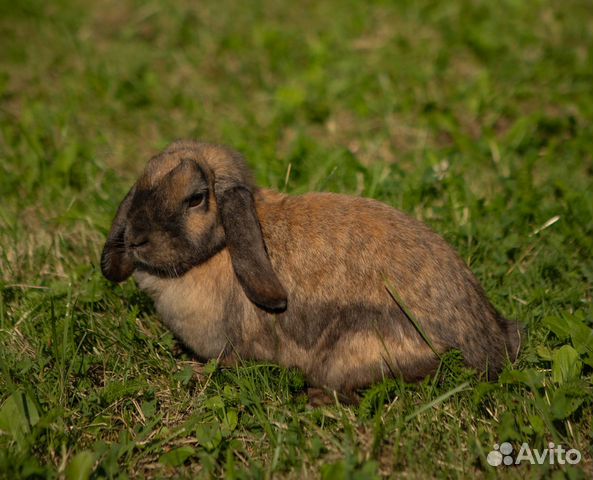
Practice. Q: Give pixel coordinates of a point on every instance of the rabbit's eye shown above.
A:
(195, 200)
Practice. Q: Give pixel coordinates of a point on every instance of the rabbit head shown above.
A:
(192, 201)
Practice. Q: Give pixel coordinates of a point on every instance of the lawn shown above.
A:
(473, 116)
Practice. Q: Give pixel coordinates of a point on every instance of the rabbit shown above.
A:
(323, 282)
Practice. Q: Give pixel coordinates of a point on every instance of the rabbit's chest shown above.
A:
(192, 307)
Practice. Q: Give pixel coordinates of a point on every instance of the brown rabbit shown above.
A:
(240, 272)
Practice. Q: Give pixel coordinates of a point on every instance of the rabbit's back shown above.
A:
(337, 255)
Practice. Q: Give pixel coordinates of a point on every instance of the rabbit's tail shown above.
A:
(502, 344)
(513, 333)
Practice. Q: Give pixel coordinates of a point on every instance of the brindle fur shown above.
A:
(298, 280)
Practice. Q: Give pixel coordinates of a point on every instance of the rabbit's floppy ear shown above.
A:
(246, 246)
(116, 262)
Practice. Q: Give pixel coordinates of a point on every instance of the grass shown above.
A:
(474, 116)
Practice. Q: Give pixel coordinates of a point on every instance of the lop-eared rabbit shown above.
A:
(304, 281)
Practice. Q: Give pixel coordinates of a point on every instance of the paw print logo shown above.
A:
(500, 455)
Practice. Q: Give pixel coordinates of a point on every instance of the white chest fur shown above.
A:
(193, 305)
